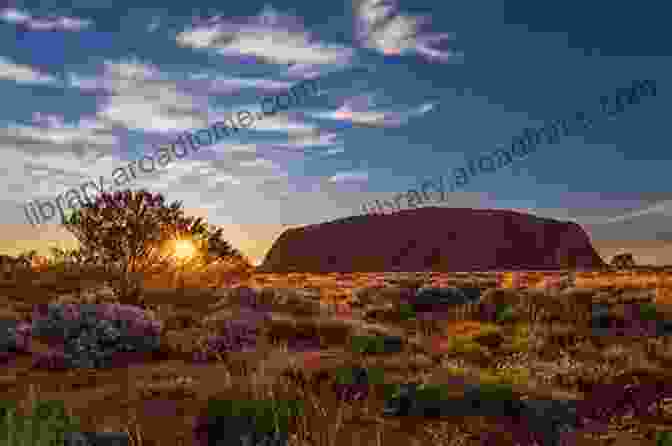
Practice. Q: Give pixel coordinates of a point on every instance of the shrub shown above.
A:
(505, 313)
(48, 424)
(376, 344)
(647, 311)
(496, 391)
(15, 337)
(353, 384)
(93, 335)
(664, 438)
(246, 422)
(406, 311)
(237, 336)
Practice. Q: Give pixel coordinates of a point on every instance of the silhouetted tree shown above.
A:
(133, 232)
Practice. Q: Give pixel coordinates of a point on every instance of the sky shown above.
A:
(408, 91)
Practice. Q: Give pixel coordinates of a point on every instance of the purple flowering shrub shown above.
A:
(93, 335)
(352, 384)
(14, 339)
(236, 336)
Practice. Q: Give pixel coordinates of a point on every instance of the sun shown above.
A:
(184, 249)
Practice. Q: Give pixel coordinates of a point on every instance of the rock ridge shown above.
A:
(433, 239)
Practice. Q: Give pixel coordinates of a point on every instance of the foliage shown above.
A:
(664, 438)
(647, 311)
(406, 312)
(353, 384)
(496, 391)
(375, 344)
(48, 424)
(237, 336)
(257, 422)
(505, 313)
(16, 338)
(92, 335)
(134, 231)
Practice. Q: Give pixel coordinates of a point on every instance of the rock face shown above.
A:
(433, 239)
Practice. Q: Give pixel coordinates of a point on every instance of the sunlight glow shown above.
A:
(184, 249)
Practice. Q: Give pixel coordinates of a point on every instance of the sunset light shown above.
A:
(184, 249)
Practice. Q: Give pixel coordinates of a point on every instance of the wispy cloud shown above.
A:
(356, 110)
(316, 138)
(217, 83)
(23, 18)
(23, 74)
(379, 26)
(342, 177)
(664, 207)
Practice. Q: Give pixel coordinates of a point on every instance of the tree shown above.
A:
(211, 249)
(134, 232)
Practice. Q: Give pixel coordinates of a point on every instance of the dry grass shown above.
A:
(169, 390)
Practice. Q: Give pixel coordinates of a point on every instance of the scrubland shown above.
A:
(538, 342)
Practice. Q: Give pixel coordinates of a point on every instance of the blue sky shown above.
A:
(408, 91)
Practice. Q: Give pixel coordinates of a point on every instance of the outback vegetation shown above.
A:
(156, 320)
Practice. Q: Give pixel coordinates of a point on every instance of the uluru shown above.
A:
(433, 239)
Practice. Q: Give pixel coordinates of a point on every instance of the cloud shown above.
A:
(378, 26)
(23, 74)
(343, 177)
(315, 138)
(17, 17)
(664, 207)
(334, 151)
(259, 162)
(270, 36)
(139, 97)
(356, 111)
(228, 84)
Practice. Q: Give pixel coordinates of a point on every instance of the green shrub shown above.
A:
(664, 438)
(406, 312)
(268, 415)
(432, 392)
(45, 426)
(647, 311)
(368, 344)
(496, 391)
(505, 313)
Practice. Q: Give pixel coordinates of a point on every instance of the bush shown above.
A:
(505, 313)
(647, 311)
(15, 337)
(406, 312)
(664, 438)
(237, 336)
(376, 344)
(93, 335)
(246, 422)
(353, 384)
(48, 424)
